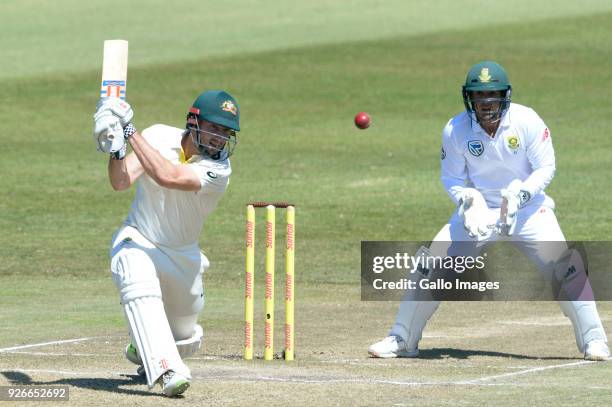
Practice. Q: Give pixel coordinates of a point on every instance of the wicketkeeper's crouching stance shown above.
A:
(494, 152)
(156, 261)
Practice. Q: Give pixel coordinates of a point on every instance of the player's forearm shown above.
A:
(123, 173)
(118, 174)
(153, 163)
(539, 179)
(454, 187)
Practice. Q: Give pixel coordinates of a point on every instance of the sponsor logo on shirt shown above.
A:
(442, 154)
(211, 174)
(475, 147)
(546, 135)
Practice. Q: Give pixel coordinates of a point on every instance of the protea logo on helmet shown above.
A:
(229, 106)
(484, 75)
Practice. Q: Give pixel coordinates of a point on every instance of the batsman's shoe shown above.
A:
(173, 383)
(392, 347)
(131, 353)
(597, 350)
(141, 372)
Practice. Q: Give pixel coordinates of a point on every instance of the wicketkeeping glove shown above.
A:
(513, 198)
(474, 211)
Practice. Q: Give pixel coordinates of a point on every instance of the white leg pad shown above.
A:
(585, 320)
(413, 314)
(411, 320)
(571, 282)
(151, 334)
(135, 276)
(187, 347)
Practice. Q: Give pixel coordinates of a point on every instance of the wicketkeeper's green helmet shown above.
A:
(487, 76)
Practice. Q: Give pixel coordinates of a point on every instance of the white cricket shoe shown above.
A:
(597, 350)
(392, 347)
(173, 383)
(131, 354)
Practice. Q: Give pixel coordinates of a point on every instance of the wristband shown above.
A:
(128, 130)
(524, 197)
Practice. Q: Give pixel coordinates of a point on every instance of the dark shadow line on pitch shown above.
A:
(452, 353)
(98, 384)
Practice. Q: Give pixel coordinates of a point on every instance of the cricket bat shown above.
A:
(114, 69)
(503, 216)
(114, 81)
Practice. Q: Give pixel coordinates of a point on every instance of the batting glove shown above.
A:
(117, 107)
(119, 155)
(474, 210)
(108, 133)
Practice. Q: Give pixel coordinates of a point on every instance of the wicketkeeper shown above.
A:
(156, 262)
(497, 151)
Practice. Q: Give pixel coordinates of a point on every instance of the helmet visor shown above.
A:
(488, 107)
(213, 140)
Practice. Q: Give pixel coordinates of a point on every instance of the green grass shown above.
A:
(65, 36)
(298, 143)
(298, 95)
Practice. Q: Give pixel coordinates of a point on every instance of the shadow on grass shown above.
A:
(451, 353)
(99, 384)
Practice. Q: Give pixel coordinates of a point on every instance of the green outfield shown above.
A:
(300, 74)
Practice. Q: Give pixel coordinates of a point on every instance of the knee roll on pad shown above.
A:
(138, 290)
(187, 347)
(570, 279)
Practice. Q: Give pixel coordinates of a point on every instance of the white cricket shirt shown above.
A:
(170, 217)
(521, 149)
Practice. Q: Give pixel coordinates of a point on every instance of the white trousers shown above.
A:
(162, 294)
(534, 224)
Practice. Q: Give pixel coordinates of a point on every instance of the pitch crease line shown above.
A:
(523, 372)
(36, 345)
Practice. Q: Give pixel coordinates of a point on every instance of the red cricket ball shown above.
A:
(362, 120)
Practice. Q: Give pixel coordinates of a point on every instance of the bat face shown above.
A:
(503, 216)
(114, 69)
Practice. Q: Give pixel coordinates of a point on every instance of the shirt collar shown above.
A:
(182, 158)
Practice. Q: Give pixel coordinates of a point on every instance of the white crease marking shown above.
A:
(527, 371)
(36, 345)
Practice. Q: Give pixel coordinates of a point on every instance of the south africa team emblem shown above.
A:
(513, 142)
(475, 147)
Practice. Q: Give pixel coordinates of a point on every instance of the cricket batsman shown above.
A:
(496, 160)
(156, 262)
